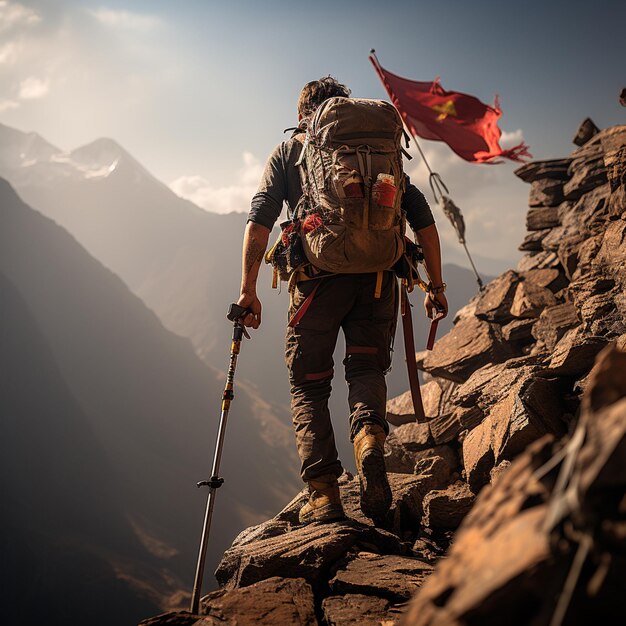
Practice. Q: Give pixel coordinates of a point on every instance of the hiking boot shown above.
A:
(324, 503)
(369, 453)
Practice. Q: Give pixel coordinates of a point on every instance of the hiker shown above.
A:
(364, 305)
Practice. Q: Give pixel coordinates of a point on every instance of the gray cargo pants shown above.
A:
(344, 301)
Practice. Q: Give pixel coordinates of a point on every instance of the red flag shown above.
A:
(467, 125)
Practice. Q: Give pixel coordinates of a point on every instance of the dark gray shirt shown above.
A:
(281, 182)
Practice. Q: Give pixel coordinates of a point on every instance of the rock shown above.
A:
(529, 411)
(478, 458)
(494, 303)
(546, 192)
(446, 508)
(400, 409)
(533, 240)
(554, 322)
(519, 331)
(497, 546)
(496, 473)
(542, 218)
(392, 577)
(538, 260)
(585, 132)
(530, 299)
(574, 353)
(555, 169)
(587, 171)
(403, 442)
(550, 278)
(441, 461)
(444, 428)
(471, 344)
(175, 618)
(304, 552)
(355, 609)
(266, 603)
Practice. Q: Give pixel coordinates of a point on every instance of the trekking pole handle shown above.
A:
(236, 312)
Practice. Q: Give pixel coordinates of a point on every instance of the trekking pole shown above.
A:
(235, 314)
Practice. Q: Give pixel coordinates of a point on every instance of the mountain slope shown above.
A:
(152, 405)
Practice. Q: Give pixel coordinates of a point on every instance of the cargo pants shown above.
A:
(345, 301)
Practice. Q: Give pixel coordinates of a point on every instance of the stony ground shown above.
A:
(524, 448)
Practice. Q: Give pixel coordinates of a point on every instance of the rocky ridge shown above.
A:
(524, 449)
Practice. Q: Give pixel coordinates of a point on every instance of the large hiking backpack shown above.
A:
(352, 182)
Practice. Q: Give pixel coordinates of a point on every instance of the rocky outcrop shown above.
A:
(523, 449)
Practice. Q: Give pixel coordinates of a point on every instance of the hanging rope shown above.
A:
(438, 187)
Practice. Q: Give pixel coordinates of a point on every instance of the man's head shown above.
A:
(315, 92)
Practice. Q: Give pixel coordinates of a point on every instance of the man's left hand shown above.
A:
(436, 304)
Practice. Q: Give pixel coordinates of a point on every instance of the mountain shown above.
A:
(151, 404)
(184, 263)
(62, 526)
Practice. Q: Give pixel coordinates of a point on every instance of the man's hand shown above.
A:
(251, 302)
(436, 304)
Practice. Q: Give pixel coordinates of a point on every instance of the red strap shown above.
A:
(303, 308)
(411, 363)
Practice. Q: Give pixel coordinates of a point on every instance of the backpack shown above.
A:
(350, 217)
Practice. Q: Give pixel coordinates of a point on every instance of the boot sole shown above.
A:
(375, 489)
(328, 513)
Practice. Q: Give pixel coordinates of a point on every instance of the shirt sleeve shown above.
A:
(267, 203)
(416, 206)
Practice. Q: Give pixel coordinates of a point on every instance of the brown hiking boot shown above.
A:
(369, 451)
(324, 503)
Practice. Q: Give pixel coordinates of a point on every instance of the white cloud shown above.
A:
(14, 14)
(32, 88)
(508, 140)
(7, 105)
(222, 199)
(8, 53)
(126, 20)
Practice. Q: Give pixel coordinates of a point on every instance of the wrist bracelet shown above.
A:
(435, 290)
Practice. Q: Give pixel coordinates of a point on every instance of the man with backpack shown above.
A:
(341, 176)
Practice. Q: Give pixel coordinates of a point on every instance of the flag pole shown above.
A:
(436, 183)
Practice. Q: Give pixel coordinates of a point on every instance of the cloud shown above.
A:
(126, 20)
(13, 14)
(7, 105)
(492, 199)
(8, 53)
(222, 199)
(32, 88)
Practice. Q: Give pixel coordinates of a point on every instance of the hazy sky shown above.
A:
(200, 91)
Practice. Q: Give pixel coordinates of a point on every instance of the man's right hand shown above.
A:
(251, 302)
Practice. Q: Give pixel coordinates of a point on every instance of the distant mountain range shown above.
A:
(108, 421)
(183, 262)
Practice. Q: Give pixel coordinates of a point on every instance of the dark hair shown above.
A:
(315, 92)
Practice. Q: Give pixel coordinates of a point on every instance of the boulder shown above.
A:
(555, 169)
(574, 353)
(530, 299)
(356, 609)
(542, 218)
(533, 240)
(546, 192)
(393, 577)
(550, 278)
(402, 444)
(471, 344)
(554, 322)
(494, 303)
(266, 603)
(446, 508)
(519, 331)
(587, 171)
(400, 409)
(538, 260)
(478, 457)
(585, 132)
(303, 552)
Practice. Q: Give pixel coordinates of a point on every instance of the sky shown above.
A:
(200, 91)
